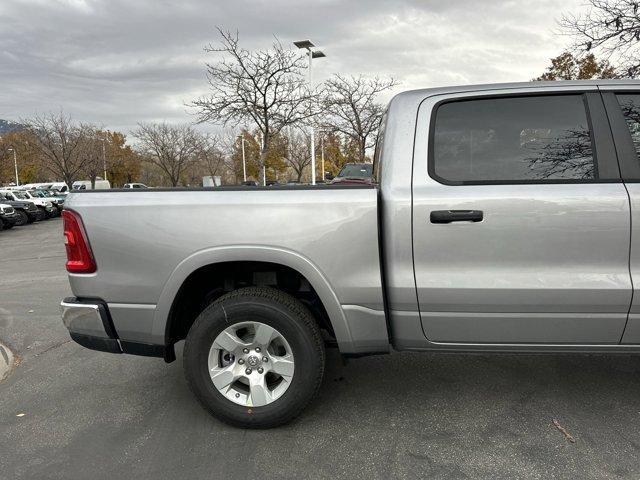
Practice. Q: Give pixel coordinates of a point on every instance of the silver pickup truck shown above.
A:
(501, 218)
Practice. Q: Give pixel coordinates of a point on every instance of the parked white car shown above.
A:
(54, 201)
(134, 185)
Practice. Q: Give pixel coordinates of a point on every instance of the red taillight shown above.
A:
(79, 256)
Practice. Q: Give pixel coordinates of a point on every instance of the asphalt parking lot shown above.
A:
(67, 412)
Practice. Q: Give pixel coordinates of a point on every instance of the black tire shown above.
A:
(8, 226)
(23, 218)
(43, 213)
(278, 310)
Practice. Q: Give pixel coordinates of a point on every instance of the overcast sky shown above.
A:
(118, 62)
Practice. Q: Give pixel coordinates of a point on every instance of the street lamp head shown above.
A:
(318, 54)
(304, 44)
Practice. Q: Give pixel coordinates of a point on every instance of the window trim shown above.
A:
(627, 157)
(599, 132)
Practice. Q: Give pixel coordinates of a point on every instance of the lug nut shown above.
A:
(260, 370)
(245, 350)
(248, 371)
(258, 349)
(237, 395)
(265, 359)
(241, 361)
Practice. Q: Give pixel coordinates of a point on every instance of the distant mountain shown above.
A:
(7, 126)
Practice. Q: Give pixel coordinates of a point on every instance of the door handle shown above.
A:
(448, 216)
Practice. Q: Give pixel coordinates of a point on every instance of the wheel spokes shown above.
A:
(229, 341)
(222, 377)
(283, 366)
(264, 335)
(259, 391)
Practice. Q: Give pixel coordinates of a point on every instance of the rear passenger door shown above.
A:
(520, 220)
(623, 109)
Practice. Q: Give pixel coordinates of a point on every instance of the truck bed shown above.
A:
(147, 242)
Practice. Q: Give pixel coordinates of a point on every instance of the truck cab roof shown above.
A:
(542, 85)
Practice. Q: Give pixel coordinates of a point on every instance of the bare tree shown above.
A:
(264, 88)
(92, 149)
(172, 148)
(212, 155)
(61, 143)
(610, 27)
(352, 110)
(297, 156)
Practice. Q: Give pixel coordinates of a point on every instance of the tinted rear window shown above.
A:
(513, 139)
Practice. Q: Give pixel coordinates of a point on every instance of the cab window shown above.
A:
(519, 139)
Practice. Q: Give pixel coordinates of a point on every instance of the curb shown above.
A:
(6, 361)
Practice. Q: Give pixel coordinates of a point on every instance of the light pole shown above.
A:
(15, 164)
(244, 161)
(322, 153)
(307, 45)
(104, 160)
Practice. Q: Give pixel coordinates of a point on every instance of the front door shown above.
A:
(520, 221)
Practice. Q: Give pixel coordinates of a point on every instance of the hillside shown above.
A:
(7, 126)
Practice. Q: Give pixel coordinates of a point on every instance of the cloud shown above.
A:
(117, 62)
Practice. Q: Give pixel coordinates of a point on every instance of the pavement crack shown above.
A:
(564, 431)
(52, 347)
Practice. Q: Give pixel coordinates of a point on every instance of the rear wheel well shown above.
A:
(208, 283)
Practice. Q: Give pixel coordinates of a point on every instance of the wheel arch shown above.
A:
(251, 253)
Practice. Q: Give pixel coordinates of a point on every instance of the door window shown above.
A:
(515, 139)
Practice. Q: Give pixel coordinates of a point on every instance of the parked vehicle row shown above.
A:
(22, 207)
(61, 187)
(350, 174)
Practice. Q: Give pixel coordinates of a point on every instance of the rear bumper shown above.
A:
(89, 317)
(90, 325)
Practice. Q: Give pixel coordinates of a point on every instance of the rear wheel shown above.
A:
(254, 358)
